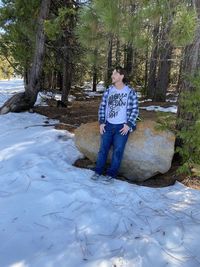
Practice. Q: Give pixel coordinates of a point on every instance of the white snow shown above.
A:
(87, 86)
(9, 88)
(92, 94)
(172, 109)
(173, 100)
(146, 100)
(53, 215)
(43, 96)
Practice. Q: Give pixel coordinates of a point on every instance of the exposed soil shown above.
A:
(86, 110)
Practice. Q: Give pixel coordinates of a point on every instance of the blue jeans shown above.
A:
(111, 137)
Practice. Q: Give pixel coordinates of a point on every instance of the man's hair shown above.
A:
(122, 71)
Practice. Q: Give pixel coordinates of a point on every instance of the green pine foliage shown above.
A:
(18, 25)
(89, 30)
(110, 15)
(90, 34)
(134, 30)
(183, 27)
(54, 26)
(190, 133)
(166, 121)
(131, 23)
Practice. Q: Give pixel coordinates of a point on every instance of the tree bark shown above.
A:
(67, 76)
(129, 59)
(118, 54)
(146, 68)
(68, 46)
(109, 61)
(94, 79)
(59, 79)
(163, 76)
(26, 100)
(153, 64)
(94, 72)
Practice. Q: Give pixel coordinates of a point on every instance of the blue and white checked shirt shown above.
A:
(132, 110)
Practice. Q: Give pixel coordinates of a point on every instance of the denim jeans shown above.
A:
(111, 137)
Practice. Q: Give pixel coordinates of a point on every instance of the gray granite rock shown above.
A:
(148, 151)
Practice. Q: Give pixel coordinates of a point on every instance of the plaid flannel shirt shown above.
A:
(132, 110)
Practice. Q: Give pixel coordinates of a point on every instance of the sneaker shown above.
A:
(107, 179)
(95, 176)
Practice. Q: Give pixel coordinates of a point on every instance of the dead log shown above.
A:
(16, 103)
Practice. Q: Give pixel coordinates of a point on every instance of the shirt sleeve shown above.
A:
(102, 108)
(134, 110)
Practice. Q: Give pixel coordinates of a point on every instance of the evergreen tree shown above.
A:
(24, 101)
(90, 35)
(110, 16)
(63, 47)
(153, 63)
(164, 63)
(188, 125)
(18, 24)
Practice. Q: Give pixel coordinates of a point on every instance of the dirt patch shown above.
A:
(79, 112)
(86, 111)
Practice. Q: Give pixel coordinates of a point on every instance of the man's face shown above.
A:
(116, 77)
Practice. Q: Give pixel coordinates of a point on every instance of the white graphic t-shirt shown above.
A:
(116, 105)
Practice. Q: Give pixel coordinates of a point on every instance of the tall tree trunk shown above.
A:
(124, 54)
(146, 65)
(52, 79)
(163, 73)
(59, 80)
(67, 75)
(68, 43)
(94, 79)
(26, 100)
(94, 71)
(36, 69)
(164, 67)
(66, 63)
(118, 54)
(26, 75)
(146, 69)
(109, 61)
(153, 64)
(129, 59)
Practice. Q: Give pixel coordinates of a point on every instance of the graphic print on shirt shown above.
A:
(116, 101)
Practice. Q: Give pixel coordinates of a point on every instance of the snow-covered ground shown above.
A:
(53, 215)
(172, 109)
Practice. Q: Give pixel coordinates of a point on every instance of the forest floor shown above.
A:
(85, 110)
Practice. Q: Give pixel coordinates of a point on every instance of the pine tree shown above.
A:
(18, 24)
(164, 63)
(153, 64)
(63, 48)
(90, 35)
(24, 101)
(110, 18)
(188, 119)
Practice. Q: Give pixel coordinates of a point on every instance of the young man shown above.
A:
(118, 112)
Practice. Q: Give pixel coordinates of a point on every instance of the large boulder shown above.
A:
(148, 151)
